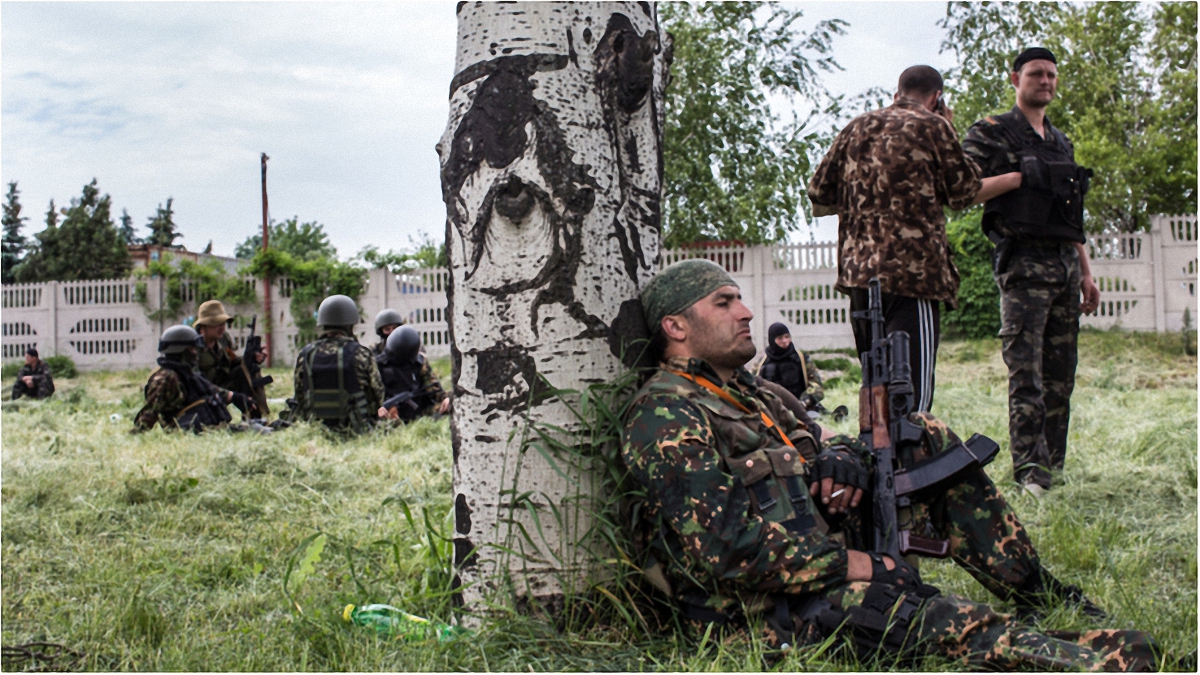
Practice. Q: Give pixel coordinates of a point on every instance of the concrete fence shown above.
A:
(1147, 281)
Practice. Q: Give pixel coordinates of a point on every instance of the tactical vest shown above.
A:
(399, 378)
(1053, 211)
(203, 405)
(334, 395)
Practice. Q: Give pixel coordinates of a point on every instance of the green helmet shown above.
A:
(176, 339)
(337, 311)
(388, 317)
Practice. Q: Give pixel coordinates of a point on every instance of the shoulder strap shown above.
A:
(735, 403)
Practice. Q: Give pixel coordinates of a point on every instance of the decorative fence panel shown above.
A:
(1147, 281)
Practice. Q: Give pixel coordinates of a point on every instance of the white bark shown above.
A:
(551, 174)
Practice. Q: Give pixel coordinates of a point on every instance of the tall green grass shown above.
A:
(165, 551)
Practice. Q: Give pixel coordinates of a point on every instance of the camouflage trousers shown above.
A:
(1039, 308)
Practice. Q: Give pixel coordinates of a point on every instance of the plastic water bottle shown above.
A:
(397, 623)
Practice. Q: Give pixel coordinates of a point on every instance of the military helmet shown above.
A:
(404, 343)
(176, 339)
(388, 317)
(337, 310)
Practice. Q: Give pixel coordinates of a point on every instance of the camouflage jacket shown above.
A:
(889, 173)
(417, 377)
(679, 442)
(991, 148)
(364, 367)
(222, 366)
(166, 397)
(43, 384)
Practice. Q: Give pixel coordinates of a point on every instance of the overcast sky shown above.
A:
(178, 99)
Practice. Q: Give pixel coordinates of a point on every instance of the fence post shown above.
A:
(1158, 273)
(52, 289)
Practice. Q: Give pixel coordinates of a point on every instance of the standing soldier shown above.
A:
(33, 379)
(336, 378)
(218, 362)
(410, 387)
(179, 397)
(1040, 264)
(385, 322)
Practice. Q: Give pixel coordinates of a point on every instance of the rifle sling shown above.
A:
(978, 450)
(734, 402)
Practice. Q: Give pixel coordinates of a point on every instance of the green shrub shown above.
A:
(978, 311)
(61, 367)
(11, 369)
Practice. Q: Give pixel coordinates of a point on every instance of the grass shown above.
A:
(165, 551)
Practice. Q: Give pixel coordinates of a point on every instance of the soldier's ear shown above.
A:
(675, 327)
(1014, 77)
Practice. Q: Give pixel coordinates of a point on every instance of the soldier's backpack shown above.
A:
(335, 396)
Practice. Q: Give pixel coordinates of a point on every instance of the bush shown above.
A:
(11, 369)
(978, 312)
(61, 367)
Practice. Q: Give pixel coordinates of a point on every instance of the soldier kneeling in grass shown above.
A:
(33, 380)
(750, 513)
(177, 395)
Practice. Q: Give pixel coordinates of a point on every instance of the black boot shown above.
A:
(1041, 591)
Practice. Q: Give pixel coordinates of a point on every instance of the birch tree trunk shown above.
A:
(551, 174)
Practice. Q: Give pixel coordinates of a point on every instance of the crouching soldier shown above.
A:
(385, 322)
(337, 381)
(219, 363)
(33, 380)
(410, 387)
(178, 396)
(743, 505)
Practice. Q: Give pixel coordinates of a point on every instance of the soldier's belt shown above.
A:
(978, 450)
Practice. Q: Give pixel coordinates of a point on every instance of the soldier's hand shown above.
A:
(840, 477)
(899, 573)
(444, 406)
(261, 355)
(28, 380)
(836, 497)
(1091, 295)
(382, 413)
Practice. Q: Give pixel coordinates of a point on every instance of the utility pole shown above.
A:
(267, 277)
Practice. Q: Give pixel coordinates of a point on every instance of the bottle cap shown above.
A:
(346, 612)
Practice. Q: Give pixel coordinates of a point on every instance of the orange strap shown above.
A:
(734, 402)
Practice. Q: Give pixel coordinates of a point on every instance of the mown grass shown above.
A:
(162, 551)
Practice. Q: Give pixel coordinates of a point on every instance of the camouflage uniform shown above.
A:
(1039, 282)
(221, 365)
(722, 554)
(364, 368)
(890, 173)
(416, 376)
(166, 397)
(43, 384)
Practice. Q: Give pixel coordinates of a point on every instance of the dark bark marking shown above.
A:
(465, 555)
(458, 8)
(498, 368)
(462, 514)
(574, 57)
(647, 9)
(587, 35)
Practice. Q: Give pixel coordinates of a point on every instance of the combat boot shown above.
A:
(1042, 590)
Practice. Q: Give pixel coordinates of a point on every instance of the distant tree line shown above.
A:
(80, 241)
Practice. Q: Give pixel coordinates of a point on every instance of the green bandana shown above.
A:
(680, 286)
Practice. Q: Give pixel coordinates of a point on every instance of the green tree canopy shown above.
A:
(162, 226)
(85, 246)
(1126, 93)
(302, 241)
(128, 233)
(14, 241)
(420, 253)
(733, 169)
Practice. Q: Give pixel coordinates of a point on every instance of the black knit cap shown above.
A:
(775, 331)
(31, 352)
(1033, 54)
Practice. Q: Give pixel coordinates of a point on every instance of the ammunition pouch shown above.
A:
(201, 413)
(778, 493)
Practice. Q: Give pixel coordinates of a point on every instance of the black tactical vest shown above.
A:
(399, 378)
(335, 396)
(204, 407)
(1051, 210)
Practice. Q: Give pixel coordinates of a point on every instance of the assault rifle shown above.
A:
(253, 372)
(884, 404)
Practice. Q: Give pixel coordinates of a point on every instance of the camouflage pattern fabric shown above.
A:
(378, 347)
(221, 365)
(364, 368)
(890, 172)
(43, 383)
(165, 399)
(680, 286)
(719, 554)
(1039, 313)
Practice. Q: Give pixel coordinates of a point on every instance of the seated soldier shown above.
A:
(337, 381)
(33, 379)
(179, 397)
(732, 532)
(218, 362)
(410, 387)
(385, 322)
(786, 366)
